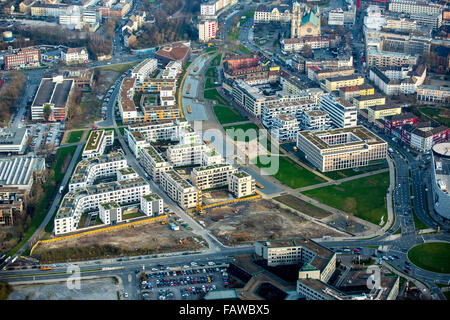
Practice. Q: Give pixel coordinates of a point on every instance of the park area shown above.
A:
(431, 256)
(365, 198)
(140, 239)
(227, 115)
(246, 222)
(293, 175)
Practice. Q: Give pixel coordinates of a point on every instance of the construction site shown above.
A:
(245, 222)
(144, 238)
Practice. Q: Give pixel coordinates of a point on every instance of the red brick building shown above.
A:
(24, 58)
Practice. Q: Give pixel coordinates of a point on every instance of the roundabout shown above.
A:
(431, 256)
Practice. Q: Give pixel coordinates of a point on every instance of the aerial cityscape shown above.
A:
(204, 150)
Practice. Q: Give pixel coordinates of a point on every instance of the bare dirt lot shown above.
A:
(260, 219)
(147, 238)
(96, 289)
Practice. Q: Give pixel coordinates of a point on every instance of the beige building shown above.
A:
(241, 184)
(341, 148)
(153, 163)
(211, 176)
(179, 190)
(335, 83)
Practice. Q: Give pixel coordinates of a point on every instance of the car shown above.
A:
(407, 271)
(125, 295)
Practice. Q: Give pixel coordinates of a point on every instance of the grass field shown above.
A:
(211, 72)
(250, 130)
(213, 94)
(227, 115)
(418, 224)
(302, 206)
(244, 49)
(364, 197)
(209, 84)
(431, 256)
(340, 174)
(293, 175)
(216, 61)
(75, 136)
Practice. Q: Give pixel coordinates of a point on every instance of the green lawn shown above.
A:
(216, 61)
(431, 256)
(302, 206)
(75, 136)
(418, 224)
(227, 115)
(210, 83)
(398, 231)
(251, 130)
(213, 94)
(293, 175)
(364, 197)
(340, 174)
(244, 49)
(211, 72)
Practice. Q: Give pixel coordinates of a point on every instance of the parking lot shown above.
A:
(186, 283)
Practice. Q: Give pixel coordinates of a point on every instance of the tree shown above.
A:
(47, 112)
(307, 51)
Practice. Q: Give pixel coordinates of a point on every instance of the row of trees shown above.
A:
(9, 95)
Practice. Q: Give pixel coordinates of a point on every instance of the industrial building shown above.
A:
(18, 171)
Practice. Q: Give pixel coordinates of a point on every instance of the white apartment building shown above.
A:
(136, 142)
(208, 9)
(387, 59)
(186, 154)
(153, 163)
(295, 109)
(97, 142)
(315, 120)
(211, 157)
(110, 212)
(285, 128)
(74, 204)
(342, 114)
(411, 6)
(152, 205)
(336, 17)
(179, 190)
(280, 14)
(171, 71)
(89, 170)
(297, 44)
(163, 130)
(342, 148)
(241, 184)
(207, 30)
(144, 69)
(212, 176)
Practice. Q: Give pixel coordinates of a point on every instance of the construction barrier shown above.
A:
(227, 202)
(97, 230)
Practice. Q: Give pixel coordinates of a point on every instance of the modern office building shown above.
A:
(342, 148)
(211, 176)
(13, 140)
(440, 179)
(241, 184)
(342, 114)
(97, 142)
(180, 190)
(50, 102)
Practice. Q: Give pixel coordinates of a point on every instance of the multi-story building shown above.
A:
(186, 154)
(74, 204)
(208, 8)
(74, 55)
(211, 176)
(23, 59)
(136, 142)
(387, 59)
(207, 30)
(399, 120)
(364, 102)
(144, 69)
(295, 109)
(433, 20)
(152, 205)
(412, 6)
(430, 93)
(284, 128)
(423, 136)
(342, 114)
(278, 14)
(179, 190)
(241, 184)
(342, 148)
(13, 140)
(297, 44)
(348, 93)
(440, 180)
(315, 120)
(160, 130)
(381, 111)
(88, 171)
(97, 142)
(11, 204)
(110, 212)
(153, 163)
(335, 83)
(50, 101)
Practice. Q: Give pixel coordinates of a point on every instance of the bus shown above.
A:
(259, 185)
(46, 268)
